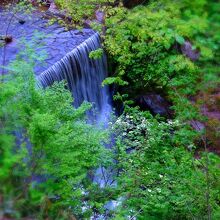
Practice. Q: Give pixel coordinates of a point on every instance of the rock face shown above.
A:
(197, 125)
(211, 109)
(155, 103)
(100, 16)
(187, 50)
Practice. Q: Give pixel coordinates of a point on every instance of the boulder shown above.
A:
(187, 49)
(155, 103)
(100, 16)
(53, 11)
(197, 125)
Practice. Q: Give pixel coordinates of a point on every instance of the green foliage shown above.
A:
(159, 178)
(141, 42)
(80, 10)
(48, 152)
(144, 49)
(96, 54)
(47, 148)
(116, 80)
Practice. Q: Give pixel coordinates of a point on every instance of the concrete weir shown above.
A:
(56, 41)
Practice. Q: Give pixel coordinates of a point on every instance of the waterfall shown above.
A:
(84, 76)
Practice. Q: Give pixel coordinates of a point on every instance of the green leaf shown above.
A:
(180, 39)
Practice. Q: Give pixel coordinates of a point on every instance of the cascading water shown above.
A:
(84, 77)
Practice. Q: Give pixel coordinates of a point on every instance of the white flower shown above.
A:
(158, 190)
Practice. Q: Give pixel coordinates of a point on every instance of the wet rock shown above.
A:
(100, 16)
(77, 32)
(197, 125)
(155, 103)
(21, 21)
(53, 11)
(87, 23)
(53, 6)
(187, 49)
(6, 38)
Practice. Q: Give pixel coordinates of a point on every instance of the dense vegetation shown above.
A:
(48, 152)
